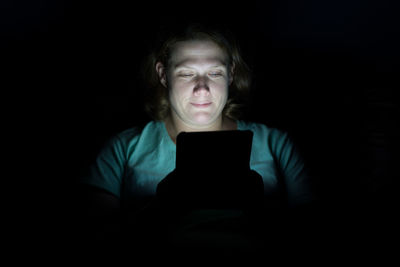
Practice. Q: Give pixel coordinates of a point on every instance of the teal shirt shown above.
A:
(133, 162)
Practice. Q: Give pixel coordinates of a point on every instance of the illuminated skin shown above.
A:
(197, 78)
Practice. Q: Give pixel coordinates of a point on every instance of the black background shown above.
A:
(325, 71)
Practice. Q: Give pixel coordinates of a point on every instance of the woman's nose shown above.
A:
(201, 88)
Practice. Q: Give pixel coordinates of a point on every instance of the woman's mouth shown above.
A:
(201, 105)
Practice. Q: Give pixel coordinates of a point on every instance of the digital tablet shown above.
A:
(217, 151)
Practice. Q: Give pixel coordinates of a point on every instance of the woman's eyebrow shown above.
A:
(189, 65)
(182, 66)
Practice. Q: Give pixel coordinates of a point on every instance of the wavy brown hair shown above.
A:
(156, 100)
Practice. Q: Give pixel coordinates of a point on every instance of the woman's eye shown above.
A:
(185, 75)
(215, 74)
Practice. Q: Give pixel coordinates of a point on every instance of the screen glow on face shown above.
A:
(198, 82)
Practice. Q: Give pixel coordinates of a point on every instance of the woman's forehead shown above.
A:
(192, 52)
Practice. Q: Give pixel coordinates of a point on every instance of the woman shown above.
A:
(198, 82)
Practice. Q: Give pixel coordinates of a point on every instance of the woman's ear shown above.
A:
(231, 73)
(161, 71)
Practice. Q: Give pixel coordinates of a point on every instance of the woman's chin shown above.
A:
(202, 120)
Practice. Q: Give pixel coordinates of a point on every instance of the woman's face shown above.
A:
(197, 77)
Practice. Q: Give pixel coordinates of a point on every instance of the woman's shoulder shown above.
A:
(146, 134)
(277, 139)
(260, 129)
(137, 130)
(264, 135)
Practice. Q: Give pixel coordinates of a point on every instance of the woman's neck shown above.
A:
(174, 126)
